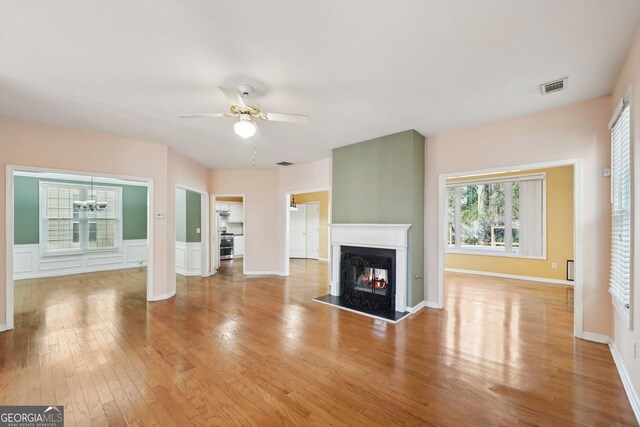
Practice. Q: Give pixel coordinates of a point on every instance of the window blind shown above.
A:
(620, 275)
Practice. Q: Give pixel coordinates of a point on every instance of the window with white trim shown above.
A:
(65, 229)
(498, 216)
(621, 215)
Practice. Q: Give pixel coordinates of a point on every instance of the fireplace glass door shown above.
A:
(367, 279)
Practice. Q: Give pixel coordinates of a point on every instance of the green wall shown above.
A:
(381, 181)
(181, 215)
(27, 209)
(193, 216)
(187, 216)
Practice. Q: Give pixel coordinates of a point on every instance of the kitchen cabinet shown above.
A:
(236, 210)
(238, 246)
(222, 206)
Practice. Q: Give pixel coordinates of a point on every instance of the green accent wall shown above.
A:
(193, 216)
(381, 181)
(27, 209)
(181, 215)
(187, 215)
(134, 216)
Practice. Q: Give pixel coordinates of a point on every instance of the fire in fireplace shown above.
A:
(368, 278)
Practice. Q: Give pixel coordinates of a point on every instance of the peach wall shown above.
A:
(623, 336)
(33, 144)
(262, 225)
(577, 131)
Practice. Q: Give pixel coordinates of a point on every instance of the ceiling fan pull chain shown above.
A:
(254, 156)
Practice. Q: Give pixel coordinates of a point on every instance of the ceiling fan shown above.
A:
(246, 127)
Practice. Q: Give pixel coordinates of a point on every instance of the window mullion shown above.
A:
(508, 216)
(458, 219)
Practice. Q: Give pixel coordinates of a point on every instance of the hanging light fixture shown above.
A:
(90, 205)
(245, 127)
(292, 205)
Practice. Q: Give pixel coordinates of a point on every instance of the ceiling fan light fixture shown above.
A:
(245, 127)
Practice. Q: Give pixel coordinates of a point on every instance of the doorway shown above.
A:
(307, 219)
(513, 223)
(192, 241)
(228, 213)
(62, 223)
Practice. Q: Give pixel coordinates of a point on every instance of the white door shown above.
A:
(298, 232)
(313, 230)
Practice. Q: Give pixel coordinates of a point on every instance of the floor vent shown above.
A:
(554, 86)
(284, 164)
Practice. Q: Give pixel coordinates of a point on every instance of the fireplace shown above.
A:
(369, 270)
(367, 278)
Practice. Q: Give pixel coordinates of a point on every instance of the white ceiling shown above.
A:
(359, 68)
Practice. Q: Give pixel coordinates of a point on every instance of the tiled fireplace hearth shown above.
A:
(369, 264)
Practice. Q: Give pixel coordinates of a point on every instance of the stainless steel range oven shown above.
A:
(226, 245)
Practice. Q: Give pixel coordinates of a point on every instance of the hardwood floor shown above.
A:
(235, 350)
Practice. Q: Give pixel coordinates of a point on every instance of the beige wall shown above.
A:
(559, 232)
(574, 132)
(623, 336)
(322, 197)
(34, 144)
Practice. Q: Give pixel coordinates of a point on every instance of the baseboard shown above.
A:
(590, 336)
(324, 259)
(626, 381)
(264, 273)
(162, 297)
(511, 276)
(3, 328)
(184, 273)
(416, 308)
(432, 304)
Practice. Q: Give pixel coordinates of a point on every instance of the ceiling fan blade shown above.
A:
(233, 96)
(288, 118)
(196, 116)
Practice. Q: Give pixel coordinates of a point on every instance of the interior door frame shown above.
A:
(9, 228)
(214, 230)
(285, 204)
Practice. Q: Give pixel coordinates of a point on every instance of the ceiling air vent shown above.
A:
(284, 164)
(554, 86)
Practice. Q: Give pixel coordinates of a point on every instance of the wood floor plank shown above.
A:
(257, 351)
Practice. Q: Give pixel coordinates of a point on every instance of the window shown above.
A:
(497, 217)
(65, 229)
(621, 220)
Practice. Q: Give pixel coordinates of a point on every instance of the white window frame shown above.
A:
(499, 252)
(625, 312)
(84, 239)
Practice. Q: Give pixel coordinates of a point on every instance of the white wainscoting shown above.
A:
(28, 264)
(188, 258)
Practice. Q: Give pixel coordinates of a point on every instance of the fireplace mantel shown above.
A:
(390, 236)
